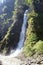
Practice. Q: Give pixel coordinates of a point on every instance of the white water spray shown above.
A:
(21, 41)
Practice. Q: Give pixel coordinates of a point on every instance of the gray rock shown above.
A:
(33, 61)
(0, 63)
(41, 62)
(36, 64)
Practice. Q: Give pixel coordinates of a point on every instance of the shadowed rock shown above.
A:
(12, 37)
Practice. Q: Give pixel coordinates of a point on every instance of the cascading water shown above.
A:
(21, 41)
(22, 36)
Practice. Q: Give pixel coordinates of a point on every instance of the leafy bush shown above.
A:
(29, 44)
(38, 47)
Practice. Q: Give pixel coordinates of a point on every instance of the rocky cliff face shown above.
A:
(34, 35)
(6, 13)
(11, 39)
(38, 5)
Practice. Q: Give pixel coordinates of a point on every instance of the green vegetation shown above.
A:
(2, 15)
(38, 47)
(28, 1)
(31, 37)
(34, 34)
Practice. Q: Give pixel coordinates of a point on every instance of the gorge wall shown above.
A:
(11, 38)
(34, 35)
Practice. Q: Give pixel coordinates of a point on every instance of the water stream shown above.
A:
(22, 36)
(21, 41)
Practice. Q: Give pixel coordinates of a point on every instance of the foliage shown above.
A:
(19, 2)
(34, 34)
(29, 44)
(2, 15)
(31, 37)
(38, 47)
(28, 1)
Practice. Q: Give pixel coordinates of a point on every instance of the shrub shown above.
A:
(31, 38)
(38, 47)
(34, 34)
(29, 44)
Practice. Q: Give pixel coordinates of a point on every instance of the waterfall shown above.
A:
(22, 36)
(21, 40)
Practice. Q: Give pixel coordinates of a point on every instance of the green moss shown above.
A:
(38, 47)
(31, 37)
(28, 1)
(29, 44)
(34, 34)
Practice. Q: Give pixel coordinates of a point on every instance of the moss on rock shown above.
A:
(34, 34)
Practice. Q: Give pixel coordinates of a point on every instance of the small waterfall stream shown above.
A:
(22, 36)
(21, 41)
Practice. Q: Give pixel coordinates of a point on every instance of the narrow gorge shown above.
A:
(15, 52)
(21, 32)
